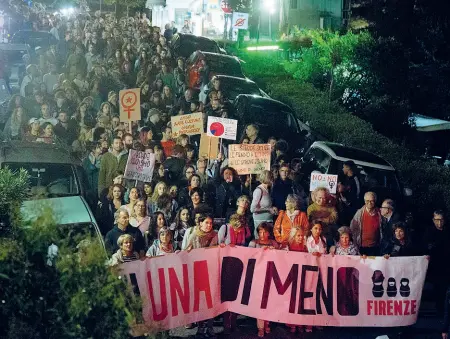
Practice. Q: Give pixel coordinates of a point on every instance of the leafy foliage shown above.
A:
(72, 295)
(128, 3)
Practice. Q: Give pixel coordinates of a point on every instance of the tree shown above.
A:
(127, 3)
(70, 295)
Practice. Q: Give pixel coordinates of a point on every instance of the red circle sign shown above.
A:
(216, 129)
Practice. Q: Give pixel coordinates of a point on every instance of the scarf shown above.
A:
(235, 232)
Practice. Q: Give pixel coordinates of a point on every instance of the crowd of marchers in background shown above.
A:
(69, 96)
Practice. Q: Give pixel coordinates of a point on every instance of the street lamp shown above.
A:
(269, 5)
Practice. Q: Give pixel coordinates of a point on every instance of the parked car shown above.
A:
(232, 87)
(212, 63)
(34, 38)
(183, 45)
(273, 119)
(375, 173)
(54, 172)
(57, 181)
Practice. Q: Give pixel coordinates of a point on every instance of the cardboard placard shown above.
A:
(130, 104)
(249, 158)
(189, 124)
(210, 144)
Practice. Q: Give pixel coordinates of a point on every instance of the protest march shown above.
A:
(210, 210)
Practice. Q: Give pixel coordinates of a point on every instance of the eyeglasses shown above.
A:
(189, 172)
(438, 220)
(372, 201)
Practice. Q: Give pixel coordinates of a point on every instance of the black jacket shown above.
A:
(174, 167)
(395, 249)
(226, 193)
(116, 232)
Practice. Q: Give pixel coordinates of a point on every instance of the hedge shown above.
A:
(428, 180)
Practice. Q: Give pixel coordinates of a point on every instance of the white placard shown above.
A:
(222, 128)
(323, 180)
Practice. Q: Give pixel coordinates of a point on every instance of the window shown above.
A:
(293, 4)
(316, 160)
(49, 180)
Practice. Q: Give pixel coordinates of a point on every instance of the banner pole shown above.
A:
(220, 146)
(209, 158)
(130, 128)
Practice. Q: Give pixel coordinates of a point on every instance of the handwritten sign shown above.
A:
(189, 124)
(249, 159)
(140, 166)
(130, 104)
(323, 180)
(209, 147)
(222, 128)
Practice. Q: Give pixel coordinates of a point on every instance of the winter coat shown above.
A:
(283, 225)
(108, 166)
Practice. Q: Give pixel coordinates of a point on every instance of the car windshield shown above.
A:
(225, 65)
(189, 46)
(280, 124)
(49, 180)
(231, 89)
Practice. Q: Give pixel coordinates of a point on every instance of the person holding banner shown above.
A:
(289, 219)
(202, 237)
(261, 206)
(163, 244)
(125, 252)
(234, 233)
(264, 242)
(345, 245)
(297, 243)
(316, 242)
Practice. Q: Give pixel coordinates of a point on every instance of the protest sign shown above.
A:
(140, 166)
(189, 124)
(249, 158)
(209, 147)
(222, 128)
(323, 180)
(130, 104)
(281, 286)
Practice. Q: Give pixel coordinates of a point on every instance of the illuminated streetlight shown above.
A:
(269, 5)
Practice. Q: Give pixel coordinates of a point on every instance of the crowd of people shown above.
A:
(69, 96)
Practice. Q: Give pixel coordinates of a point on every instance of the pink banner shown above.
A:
(280, 286)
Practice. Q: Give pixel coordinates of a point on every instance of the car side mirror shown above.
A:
(407, 192)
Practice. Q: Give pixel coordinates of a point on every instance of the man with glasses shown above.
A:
(389, 218)
(437, 242)
(366, 226)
